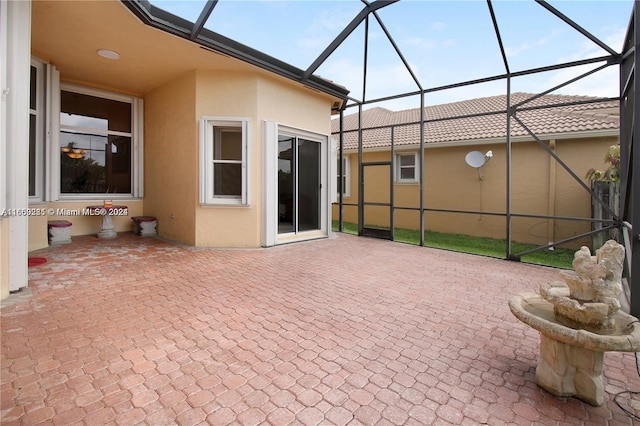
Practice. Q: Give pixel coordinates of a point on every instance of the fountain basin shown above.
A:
(592, 316)
(571, 359)
(533, 310)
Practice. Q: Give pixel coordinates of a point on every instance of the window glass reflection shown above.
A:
(95, 155)
(80, 110)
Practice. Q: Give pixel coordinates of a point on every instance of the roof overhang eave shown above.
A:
(160, 19)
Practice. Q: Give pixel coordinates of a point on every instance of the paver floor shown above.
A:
(340, 331)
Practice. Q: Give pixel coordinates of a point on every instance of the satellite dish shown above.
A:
(475, 159)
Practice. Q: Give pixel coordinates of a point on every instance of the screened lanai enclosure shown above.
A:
(372, 30)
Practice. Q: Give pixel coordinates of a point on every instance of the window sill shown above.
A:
(96, 197)
(224, 205)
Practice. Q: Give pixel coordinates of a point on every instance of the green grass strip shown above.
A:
(559, 258)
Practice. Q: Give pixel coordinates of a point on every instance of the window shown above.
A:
(344, 180)
(36, 131)
(407, 169)
(97, 143)
(223, 153)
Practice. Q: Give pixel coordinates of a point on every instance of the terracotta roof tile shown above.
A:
(593, 114)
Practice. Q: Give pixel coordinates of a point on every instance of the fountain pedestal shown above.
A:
(567, 370)
(570, 362)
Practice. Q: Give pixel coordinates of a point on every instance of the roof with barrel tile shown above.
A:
(482, 118)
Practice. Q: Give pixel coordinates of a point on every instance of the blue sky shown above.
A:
(444, 42)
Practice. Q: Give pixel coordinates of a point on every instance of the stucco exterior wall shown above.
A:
(257, 97)
(38, 238)
(294, 106)
(83, 223)
(540, 186)
(171, 158)
(226, 94)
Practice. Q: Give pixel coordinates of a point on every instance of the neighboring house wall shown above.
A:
(539, 186)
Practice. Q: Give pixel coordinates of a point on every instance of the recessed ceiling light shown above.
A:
(109, 54)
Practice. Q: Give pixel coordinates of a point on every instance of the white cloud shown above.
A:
(382, 80)
(524, 47)
(605, 83)
(323, 30)
(421, 43)
(449, 42)
(438, 26)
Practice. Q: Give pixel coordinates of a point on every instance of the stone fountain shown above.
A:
(579, 320)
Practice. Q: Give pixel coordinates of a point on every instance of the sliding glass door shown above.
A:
(299, 184)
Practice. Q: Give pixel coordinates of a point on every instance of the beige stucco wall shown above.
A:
(540, 186)
(86, 224)
(38, 238)
(294, 106)
(226, 94)
(171, 158)
(257, 97)
(82, 223)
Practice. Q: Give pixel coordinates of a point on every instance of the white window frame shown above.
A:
(209, 127)
(40, 115)
(398, 167)
(346, 175)
(271, 132)
(137, 143)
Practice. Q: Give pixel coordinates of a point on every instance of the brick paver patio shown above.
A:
(340, 331)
